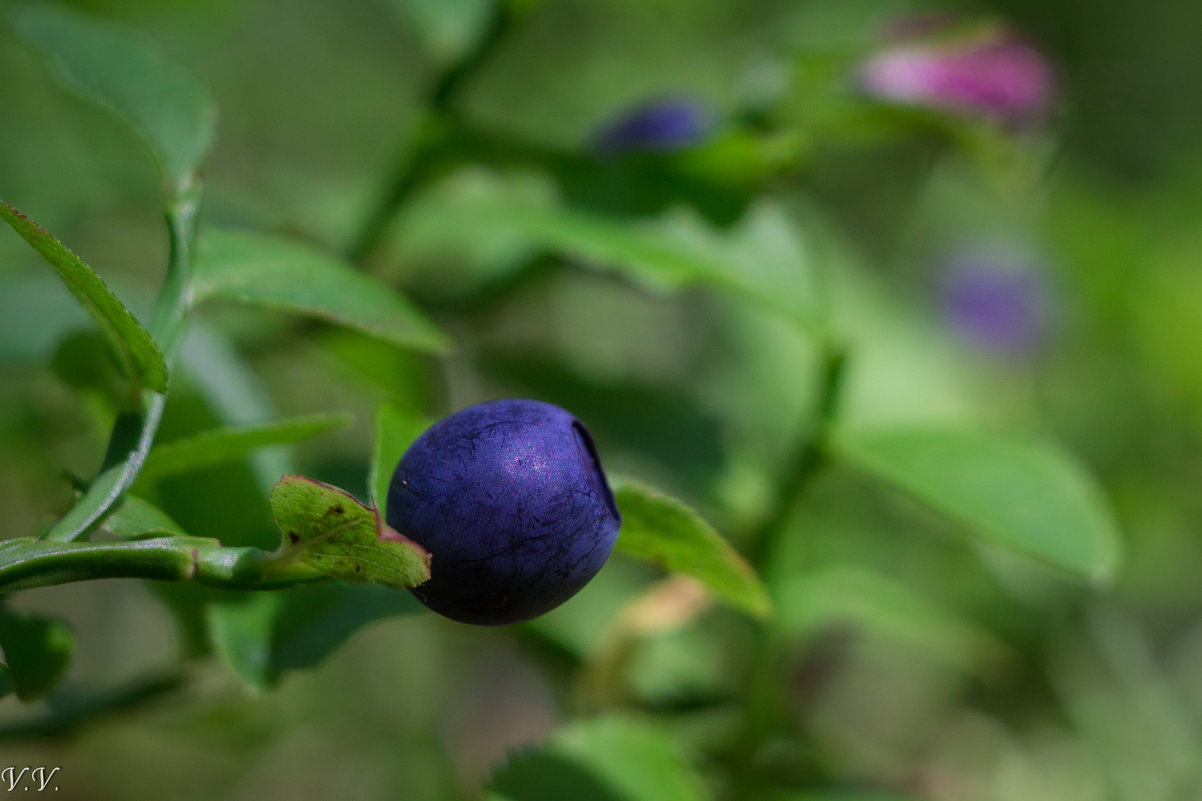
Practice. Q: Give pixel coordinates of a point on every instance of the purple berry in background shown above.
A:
(510, 499)
(995, 302)
(991, 73)
(660, 126)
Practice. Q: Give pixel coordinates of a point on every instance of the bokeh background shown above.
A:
(1038, 271)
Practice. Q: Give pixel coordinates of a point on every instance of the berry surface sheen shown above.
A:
(510, 499)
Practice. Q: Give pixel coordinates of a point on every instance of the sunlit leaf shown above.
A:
(135, 349)
(229, 444)
(335, 534)
(279, 273)
(665, 531)
(37, 651)
(1022, 495)
(119, 69)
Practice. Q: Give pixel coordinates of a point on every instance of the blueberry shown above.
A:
(662, 125)
(510, 500)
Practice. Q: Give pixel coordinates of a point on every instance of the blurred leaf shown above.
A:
(119, 69)
(833, 596)
(395, 430)
(1024, 496)
(6, 685)
(83, 361)
(136, 351)
(408, 376)
(447, 28)
(233, 392)
(230, 444)
(36, 313)
(611, 758)
(136, 517)
(37, 651)
(262, 635)
(278, 273)
(665, 531)
(335, 534)
(852, 795)
(761, 260)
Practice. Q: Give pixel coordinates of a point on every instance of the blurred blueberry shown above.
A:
(662, 125)
(992, 73)
(995, 302)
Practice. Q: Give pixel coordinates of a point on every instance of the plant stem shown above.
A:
(761, 704)
(811, 456)
(136, 424)
(68, 711)
(437, 123)
(27, 563)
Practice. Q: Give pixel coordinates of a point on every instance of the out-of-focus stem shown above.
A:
(810, 458)
(438, 119)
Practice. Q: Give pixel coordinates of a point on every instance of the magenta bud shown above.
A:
(993, 73)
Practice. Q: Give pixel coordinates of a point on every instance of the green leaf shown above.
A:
(119, 69)
(138, 518)
(396, 429)
(279, 273)
(1025, 496)
(447, 27)
(606, 758)
(234, 393)
(37, 651)
(762, 260)
(332, 532)
(220, 445)
(6, 684)
(832, 596)
(132, 344)
(262, 635)
(665, 531)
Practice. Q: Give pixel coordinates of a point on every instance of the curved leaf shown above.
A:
(665, 531)
(135, 349)
(332, 532)
(119, 69)
(1023, 495)
(278, 273)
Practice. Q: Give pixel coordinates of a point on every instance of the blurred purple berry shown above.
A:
(659, 126)
(995, 74)
(995, 302)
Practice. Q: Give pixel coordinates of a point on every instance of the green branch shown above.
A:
(811, 455)
(136, 425)
(27, 563)
(438, 122)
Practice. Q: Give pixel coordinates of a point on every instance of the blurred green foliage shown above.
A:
(685, 305)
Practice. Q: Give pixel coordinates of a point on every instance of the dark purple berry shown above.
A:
(995, 302)
(510, 500)
(662, 125)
